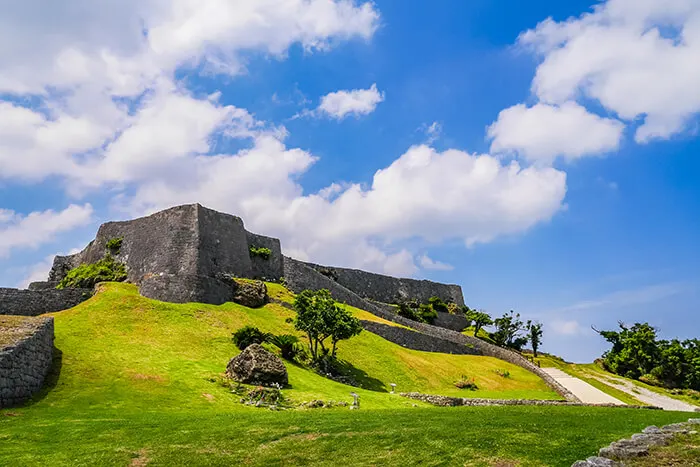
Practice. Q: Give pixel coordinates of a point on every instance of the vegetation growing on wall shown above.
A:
(114, 244)
(636, 353)
(421, 312)
(260, 252)
(87, 275)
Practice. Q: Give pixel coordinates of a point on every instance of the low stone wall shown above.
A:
(445, 401)
(37, 302)
(415, 340)
(24, 364)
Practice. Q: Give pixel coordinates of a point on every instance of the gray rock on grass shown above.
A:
(255, 365)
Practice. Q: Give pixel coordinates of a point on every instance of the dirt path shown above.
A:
(581, 389)
(645, 395)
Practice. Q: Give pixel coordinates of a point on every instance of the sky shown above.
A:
(543, 155)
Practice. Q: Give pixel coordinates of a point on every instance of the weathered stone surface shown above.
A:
(250, 294)
(388, 289)
(255, 365)
(25, 364)
(37, 302)
(415, 340)
(596, 462)
(455, 322)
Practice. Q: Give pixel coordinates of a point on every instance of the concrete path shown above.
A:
(581, 389)
(645, 395)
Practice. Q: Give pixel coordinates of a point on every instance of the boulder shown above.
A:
(255, 365)
(250, 294)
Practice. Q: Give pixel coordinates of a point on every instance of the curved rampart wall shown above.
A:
(37, 302)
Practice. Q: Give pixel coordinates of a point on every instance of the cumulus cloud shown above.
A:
(543, 132)
(356, 102)
(636, 58)
(567, 327)
(36, 228)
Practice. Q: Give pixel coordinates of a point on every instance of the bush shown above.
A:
(87, 275)
(413, 311)
(249, 335)
(289, 346)
(467, 383)
(115, 244)
(438, 305)
(261, 252)
(503, 373)
(261, 397)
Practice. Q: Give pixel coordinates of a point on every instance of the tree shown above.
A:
(320, 317)
(534, 333)
(507, 332)
(480, 319)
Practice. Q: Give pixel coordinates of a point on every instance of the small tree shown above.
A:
(507, 332)
(320, 317)
(534, 333)
(480, 319)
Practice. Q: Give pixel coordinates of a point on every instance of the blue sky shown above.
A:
(546, 166)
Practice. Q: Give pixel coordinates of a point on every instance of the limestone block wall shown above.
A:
(388, 289)
(455, 322)
(37, 302)
(271, 269)
(25, 364)
(415, 340)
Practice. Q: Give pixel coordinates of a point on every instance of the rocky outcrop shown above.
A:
(255, 365)
(24, 363)
(639, 444)
(250, 294)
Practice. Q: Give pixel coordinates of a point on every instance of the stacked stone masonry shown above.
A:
(25, 364)
(38, 302)
(415, 340)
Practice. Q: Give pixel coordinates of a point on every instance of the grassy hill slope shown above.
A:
(119, 349)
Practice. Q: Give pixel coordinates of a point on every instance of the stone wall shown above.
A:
(388, 289)
(25, 364)
(446, 401)
(38, 302)
(415, 340)
(455, 322)
(271, 269)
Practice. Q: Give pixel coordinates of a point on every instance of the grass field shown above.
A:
(137, 382)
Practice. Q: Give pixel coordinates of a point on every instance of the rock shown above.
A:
(596, 462)
(250, 294)
(694, 421)
(255, 365)
(651, 429)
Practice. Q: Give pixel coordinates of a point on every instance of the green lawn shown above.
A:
(137, 382)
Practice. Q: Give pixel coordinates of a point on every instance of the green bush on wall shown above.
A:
(86, 276)
(261, 252)
(114, 244)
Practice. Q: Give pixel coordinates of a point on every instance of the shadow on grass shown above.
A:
(51, 379)
(361, 376)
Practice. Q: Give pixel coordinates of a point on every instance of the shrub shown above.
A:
(289, 346)
(87, 275)
(262, 396)
(114, 244)
(438, 305)
(421, 313)
(249, 335)
(651, 380)
(503, 373)
(466, 382)
(261, 252)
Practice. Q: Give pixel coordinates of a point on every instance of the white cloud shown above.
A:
(543, 132)
(39, 227)
(636, 58)
(40, 271)
(428, 263)
(567, 327)
(356, 102)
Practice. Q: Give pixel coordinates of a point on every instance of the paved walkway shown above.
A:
(581, 389)
(645, 395)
